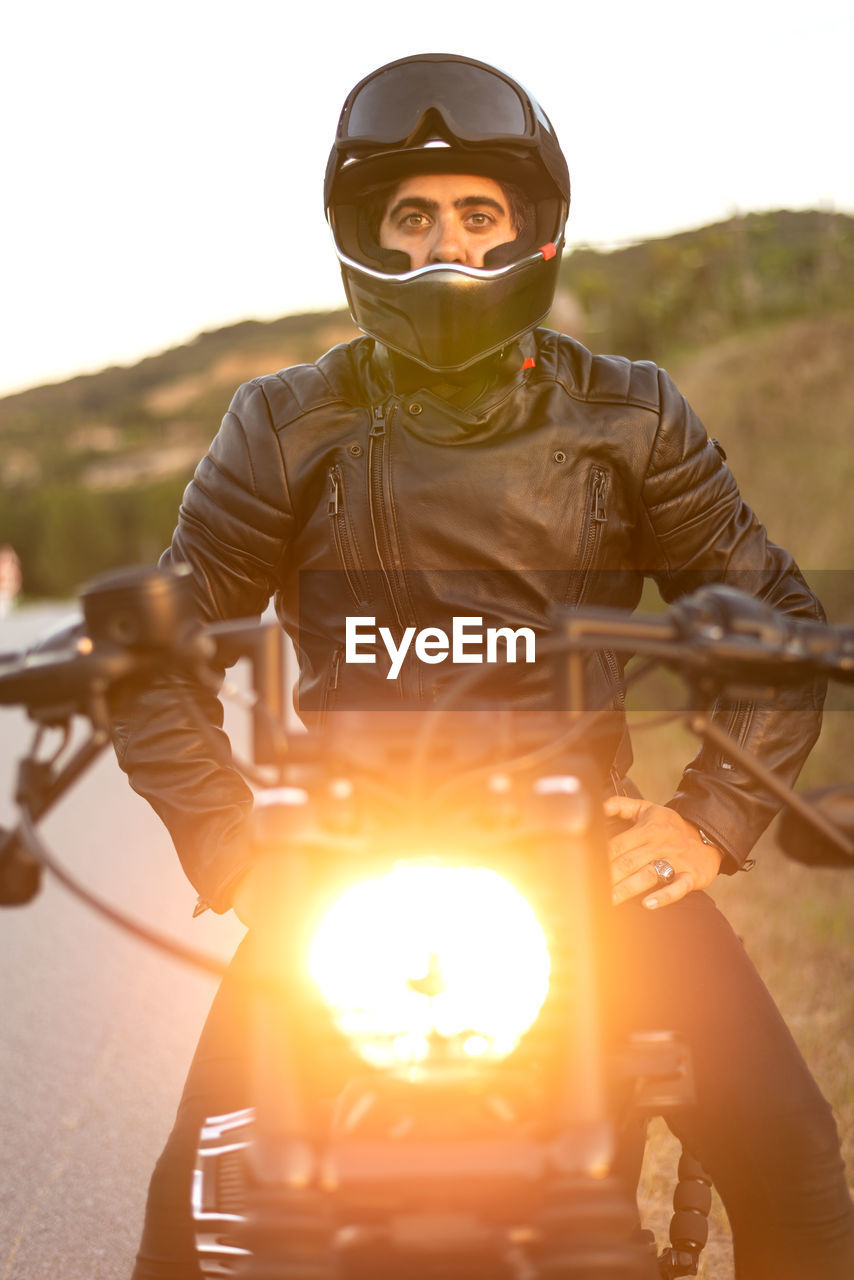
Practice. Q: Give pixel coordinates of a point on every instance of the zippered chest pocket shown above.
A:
(594, 520)
(345, 542)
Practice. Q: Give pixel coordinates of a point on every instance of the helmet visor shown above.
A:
(477, 104)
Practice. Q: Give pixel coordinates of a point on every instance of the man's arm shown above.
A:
(697, 529)
(234, 523)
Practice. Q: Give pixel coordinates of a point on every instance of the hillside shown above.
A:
(781, 400)
(754, 317)
(700, 286)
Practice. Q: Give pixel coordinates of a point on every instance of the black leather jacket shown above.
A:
(345, 488)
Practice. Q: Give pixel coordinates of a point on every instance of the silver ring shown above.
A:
(664, 871)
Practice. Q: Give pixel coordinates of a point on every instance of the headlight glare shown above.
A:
(432, 962)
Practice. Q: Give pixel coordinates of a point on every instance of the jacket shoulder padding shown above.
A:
(600, 379)
(305, 388)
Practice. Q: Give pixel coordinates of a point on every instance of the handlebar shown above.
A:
(723, 633)
(139, 623)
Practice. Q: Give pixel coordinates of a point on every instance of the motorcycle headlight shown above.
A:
(432, 963)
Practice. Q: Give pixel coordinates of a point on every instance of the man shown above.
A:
(454, 457)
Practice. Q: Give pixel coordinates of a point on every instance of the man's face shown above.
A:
(446, 217)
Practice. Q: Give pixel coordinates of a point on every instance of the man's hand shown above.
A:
(657, 832)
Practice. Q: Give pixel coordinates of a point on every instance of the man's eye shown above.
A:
(480, 220)
(414, 220)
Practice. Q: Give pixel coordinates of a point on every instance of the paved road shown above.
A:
(96, 1029)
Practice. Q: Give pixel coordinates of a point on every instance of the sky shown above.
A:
(163, 163)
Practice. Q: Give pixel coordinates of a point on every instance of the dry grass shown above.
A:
(781, 400)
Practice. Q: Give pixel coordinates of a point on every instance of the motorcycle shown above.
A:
(428, 1100)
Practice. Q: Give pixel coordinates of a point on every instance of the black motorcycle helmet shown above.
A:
(443, 113)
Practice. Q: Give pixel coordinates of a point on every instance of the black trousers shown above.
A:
(760, 1127)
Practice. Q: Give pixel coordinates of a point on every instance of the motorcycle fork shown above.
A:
(287, 1227)
(587, 1224)
(572, 845)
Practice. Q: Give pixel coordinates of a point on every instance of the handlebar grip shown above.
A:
(718, 613)
(66, 679)
(831, 647)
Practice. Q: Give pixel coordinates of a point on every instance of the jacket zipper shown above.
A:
(382, 541)
(344, 544)
(597, 517)
(609, 661)
(738, 724)
(332, 679)
(617, 781)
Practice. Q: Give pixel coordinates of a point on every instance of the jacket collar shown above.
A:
(403, 377)
(456, 409)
